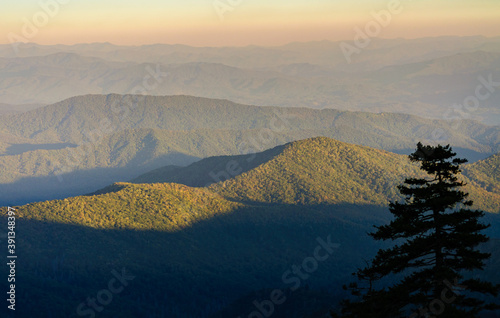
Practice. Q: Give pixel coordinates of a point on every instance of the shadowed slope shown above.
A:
(311, 171)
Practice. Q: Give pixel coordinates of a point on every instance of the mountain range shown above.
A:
(87, 142)
(207, 179)
(212, 251)
(318, 171)
(404, 76)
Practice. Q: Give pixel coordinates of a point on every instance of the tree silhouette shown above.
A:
(435, 237)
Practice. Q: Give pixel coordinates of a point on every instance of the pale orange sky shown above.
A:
(197, 22)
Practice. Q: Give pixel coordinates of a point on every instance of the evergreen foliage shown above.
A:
(436, 236)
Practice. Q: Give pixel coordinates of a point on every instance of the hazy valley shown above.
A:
(404, 76)
(208, 174)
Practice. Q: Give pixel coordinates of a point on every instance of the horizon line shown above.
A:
(252, 45)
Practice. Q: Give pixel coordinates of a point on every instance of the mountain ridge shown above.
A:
(94, 140)
(301, 172)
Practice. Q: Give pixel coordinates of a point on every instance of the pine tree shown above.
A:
(435, 234)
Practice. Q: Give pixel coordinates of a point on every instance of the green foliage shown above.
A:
(437, 237)
(320, 170)
(122, 137)
(323, 170)
(163, 207)
(73, 119)
(485, 173)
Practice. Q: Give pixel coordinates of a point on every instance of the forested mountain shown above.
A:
(72, 120)
(211, 246)
(84, 143)
(323, 170)
(316, 171)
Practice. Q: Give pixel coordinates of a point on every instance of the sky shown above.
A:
(239, 22)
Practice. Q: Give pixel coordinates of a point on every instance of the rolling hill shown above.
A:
(325, 171)
(78, 119)
(94, 140)
(315, 171)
